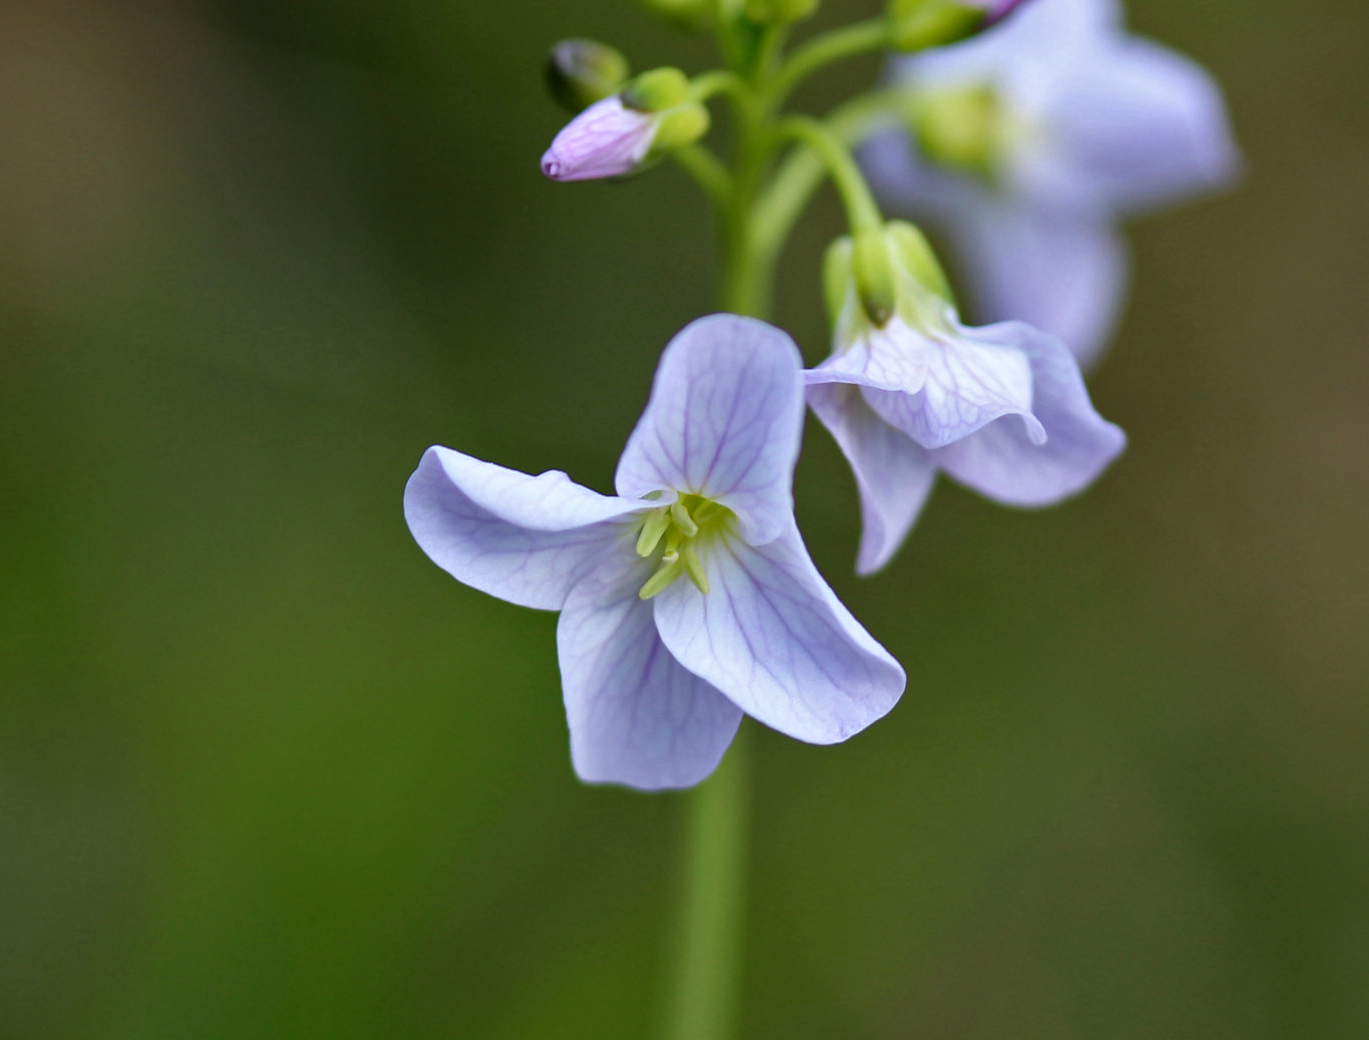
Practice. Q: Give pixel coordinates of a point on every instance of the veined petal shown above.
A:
(723, 422)
(893, 473)
(524, 539)
(1144, 126)
(1063, 271)
(970, 383)
(774, 638)
(605, 140)
(887, 358)
(636, 716)
(1002, 462)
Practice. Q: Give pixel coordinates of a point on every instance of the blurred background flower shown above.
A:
(264, 771)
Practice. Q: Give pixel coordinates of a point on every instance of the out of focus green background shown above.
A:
(266, 772)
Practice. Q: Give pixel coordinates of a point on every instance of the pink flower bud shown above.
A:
(607, 139)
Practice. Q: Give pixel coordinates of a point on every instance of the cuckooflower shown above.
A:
(1026, 143)
(624, 133)
(686, 599)
(1002, 409)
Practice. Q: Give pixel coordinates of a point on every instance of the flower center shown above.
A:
(966, 129)
(676, 531)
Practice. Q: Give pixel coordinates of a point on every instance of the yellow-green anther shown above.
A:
(683, 520)
(706, 512)
(677, 532)
(694, 568)
(656, 523)
(665, 574)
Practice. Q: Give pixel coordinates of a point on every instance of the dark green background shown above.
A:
(266, 772)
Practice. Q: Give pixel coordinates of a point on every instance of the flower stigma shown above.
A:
(677, 530)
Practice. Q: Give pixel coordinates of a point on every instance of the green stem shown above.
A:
(861, 209)
(779, 208)
(708, 956)
(707, 171)
(861, 38)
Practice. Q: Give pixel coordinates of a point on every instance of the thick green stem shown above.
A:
(708, 955)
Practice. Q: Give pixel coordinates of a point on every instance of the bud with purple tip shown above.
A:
(622, 134)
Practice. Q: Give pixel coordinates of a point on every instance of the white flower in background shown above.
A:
(1025, 144)
(688, 598)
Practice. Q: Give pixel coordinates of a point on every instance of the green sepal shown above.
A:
(919, 24)
(873, 269)
(678, 127)
(913, 253)
(836, 277)
(657, 90)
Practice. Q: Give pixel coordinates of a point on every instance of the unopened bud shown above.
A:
(766, 11)
(581, 72)
(919, 24)
(625, 133)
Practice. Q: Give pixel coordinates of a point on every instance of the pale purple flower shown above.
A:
(608, 139)
(1001, 409)
(688, 598)
(1025, 144)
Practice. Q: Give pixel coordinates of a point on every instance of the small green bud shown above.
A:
(874, 273)
(657, 90)
(678, 127)
(686, 14)
(581, 72)
(765, 11)
(918, 24)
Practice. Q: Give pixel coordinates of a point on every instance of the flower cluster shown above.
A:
(688, 598)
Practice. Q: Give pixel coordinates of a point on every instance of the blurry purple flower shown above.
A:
(1002, 409)
(687, 599)
(1026, 143)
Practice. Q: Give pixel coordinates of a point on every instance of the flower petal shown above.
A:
(723, 422)
(1002, 462)
(887, 358)
(524, 539)
(636, 716)
(970, 382)
(775, 639)
(893, 473)
(1144, 126)
(1062, 270)
(605, 140)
